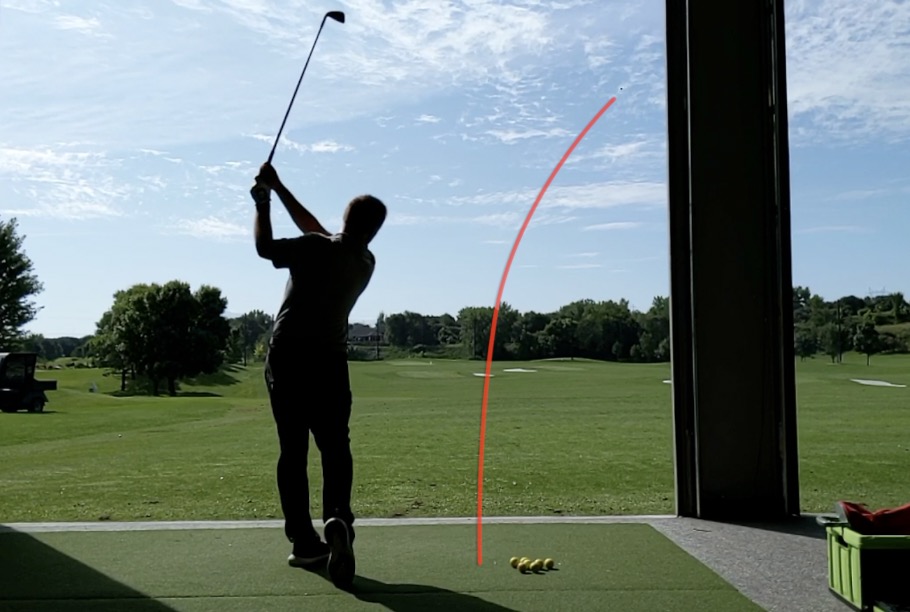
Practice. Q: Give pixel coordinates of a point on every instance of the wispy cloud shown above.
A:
(210, 228)
(861, 44)
(589, 254)
(588, 196)
(62, 183)
(428, 119)
(585, 266)
(322, 146)
(511, 136)
(617, 225)
(827, 229)
(90, 27)
(862, 194)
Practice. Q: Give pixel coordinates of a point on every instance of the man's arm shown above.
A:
(262, 225)
(303, 218)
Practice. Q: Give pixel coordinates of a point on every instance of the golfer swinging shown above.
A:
(306, 369)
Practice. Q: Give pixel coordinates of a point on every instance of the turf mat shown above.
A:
(402, 568)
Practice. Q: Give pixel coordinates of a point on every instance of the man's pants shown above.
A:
(311, 394)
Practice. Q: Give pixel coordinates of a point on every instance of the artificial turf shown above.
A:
(404, 568)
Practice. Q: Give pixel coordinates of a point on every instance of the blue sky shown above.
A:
(130, 133)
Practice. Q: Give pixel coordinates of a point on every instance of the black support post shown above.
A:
(731, 287)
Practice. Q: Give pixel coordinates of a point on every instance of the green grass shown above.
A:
(577, 437)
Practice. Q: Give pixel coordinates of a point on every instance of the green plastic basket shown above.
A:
(869, 572)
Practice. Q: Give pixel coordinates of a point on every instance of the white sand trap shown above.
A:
(668, 382)
(518, 370)
(876, 383)
(482, 374)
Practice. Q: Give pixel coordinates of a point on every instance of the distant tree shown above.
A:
(250, 326)
(805, 341)
(558, 337)
(802, 311)
(396, 330)
(899, 307)
(867, 340)
(18, 284)
(475, 323)
(835, 340)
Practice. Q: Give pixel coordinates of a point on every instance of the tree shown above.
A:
(250, 328)
(558, 337)
(164, 332)
(475, 323)
(805, 341)
(867, 340)
(17, 284)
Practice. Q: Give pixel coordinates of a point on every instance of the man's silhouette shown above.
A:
(306, 368)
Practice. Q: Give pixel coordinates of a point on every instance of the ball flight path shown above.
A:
(502, 284)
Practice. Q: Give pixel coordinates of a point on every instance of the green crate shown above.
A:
(871, 573)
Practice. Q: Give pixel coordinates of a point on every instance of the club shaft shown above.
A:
(300, 80)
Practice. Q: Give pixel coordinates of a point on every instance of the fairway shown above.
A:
(563, 438)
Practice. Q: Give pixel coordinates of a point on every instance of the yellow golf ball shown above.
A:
(514, 561)
(523, 567)
(537, 565)
(548, 563)
(525, 559)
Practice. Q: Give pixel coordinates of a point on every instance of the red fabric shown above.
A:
(887, 521)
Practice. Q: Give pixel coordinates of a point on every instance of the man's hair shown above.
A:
(363, 217)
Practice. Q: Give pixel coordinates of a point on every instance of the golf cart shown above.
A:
(18, 388)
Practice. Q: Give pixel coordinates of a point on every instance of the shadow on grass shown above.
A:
(39, 578)
(407, 597)
(140, 393)
(221, 378)
(36, 413)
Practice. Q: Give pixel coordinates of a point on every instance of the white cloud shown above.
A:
(211, 228)
(847, 69)
(322, 146)
(589, 254)
(78, 24)
(61, 183)
(587, 196)
(428, 119)
(619, 225)
(510, 136)
(589, 266)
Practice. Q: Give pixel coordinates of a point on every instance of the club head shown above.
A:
(336, 15)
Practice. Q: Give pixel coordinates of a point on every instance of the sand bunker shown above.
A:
(668, 382)
(876, 383)
(518, 370)
(481, 374)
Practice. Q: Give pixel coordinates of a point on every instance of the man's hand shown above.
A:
(268, 176)
(261, 194)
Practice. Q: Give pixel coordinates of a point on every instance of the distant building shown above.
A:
(359, 333)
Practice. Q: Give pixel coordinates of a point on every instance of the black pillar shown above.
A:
(731, 287)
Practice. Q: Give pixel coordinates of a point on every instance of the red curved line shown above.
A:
(502, 285)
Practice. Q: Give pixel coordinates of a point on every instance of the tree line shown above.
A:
(606, 330)
(156, 335)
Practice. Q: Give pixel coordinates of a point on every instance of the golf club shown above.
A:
(337, 16)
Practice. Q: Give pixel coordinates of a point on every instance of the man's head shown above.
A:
(363, 217)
